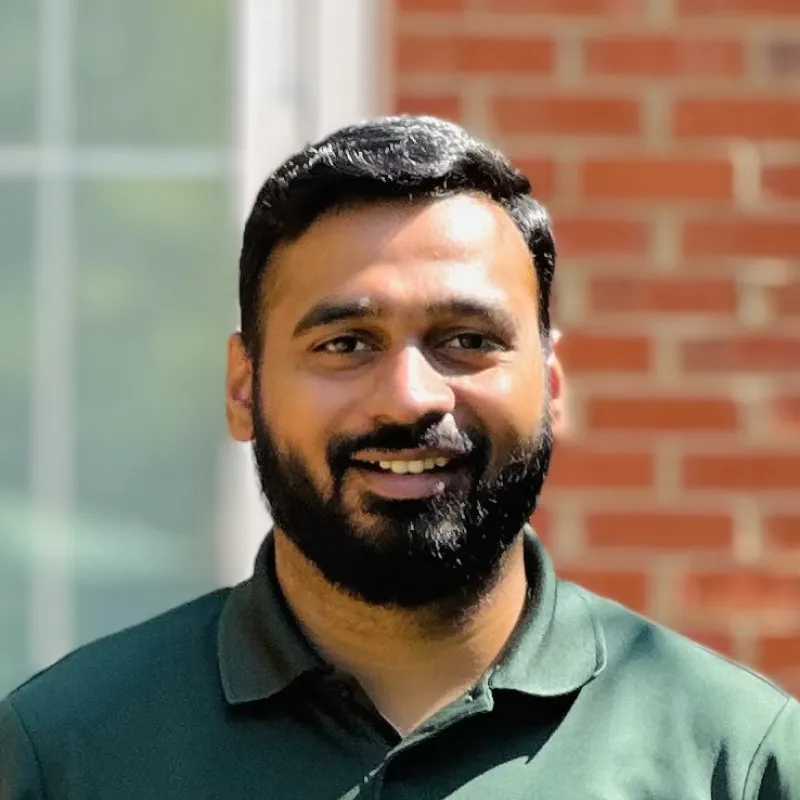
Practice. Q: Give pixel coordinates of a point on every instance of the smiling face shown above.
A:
(400, 408)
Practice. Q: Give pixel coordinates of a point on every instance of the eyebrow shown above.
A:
(329, 312)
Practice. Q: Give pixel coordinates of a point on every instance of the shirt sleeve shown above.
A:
(20, 774)
(775, 770)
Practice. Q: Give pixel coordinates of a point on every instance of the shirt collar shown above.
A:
(260, 646)
(558, 645)
(557, 648)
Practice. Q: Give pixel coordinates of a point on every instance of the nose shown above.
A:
(409, 388)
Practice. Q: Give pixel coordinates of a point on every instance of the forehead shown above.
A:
(407, 255)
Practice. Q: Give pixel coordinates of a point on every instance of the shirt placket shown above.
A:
(384, 787)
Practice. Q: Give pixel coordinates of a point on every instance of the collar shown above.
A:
(260, 646)
(557, 648)
(558, 645)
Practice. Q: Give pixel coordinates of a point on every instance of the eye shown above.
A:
(344, 345)
(472, 341)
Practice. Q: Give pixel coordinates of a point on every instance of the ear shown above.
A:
(555, 377)
(239, 390)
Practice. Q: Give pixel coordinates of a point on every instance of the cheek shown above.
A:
(318, 407)
(509, 401)
(305, 413)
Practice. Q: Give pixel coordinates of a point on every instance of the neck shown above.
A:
(411, 662)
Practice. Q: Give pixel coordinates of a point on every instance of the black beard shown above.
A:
(417, 552)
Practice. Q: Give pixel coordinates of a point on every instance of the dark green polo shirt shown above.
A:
(224, 698)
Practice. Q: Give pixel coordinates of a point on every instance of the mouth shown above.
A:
(409, 476)
(407, 466)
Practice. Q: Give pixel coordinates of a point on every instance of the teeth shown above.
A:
(413, 467)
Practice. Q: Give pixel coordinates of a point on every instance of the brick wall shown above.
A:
(664, 137)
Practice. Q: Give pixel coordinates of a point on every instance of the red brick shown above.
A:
(654, 178)
(445, 106)
(762, 354)
(555, 302)
(597, 236)
(430, 5)
(580, 115)
(753, 8)
(782, 181)
(628, 588)
(542, 523)
(541, 172)
(667, 295)
(587, 352)
(779, 652)
(718, 641)
(660, 56)
(783, 58)
(662, 530)
(625, 9)
(786, 300)
(741, 590)
(761, 237)
(789, 680)
(577, 467)
(741, 117)
(473, 54)
(659, 414)
(752, 471)
(782, 532)
(786, 410)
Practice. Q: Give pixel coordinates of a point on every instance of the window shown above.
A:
(133, 137)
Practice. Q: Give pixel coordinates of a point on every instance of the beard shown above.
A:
(406, 553)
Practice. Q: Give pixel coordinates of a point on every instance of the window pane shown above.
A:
(152, 73)
(156, 289)
(13, 597)
(18, 70)
(17, 211)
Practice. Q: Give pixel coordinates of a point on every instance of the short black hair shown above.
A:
(398, 158)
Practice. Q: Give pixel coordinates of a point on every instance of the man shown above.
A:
(404, 634)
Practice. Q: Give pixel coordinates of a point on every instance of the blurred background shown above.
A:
(664, 137)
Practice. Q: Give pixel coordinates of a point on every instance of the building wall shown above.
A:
(664, 137)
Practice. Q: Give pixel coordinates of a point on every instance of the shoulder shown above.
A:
(685, 704)
(675, 670)
(145, 665)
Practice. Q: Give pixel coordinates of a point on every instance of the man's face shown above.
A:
(400, 409)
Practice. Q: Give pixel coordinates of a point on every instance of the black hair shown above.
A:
(400, 158)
